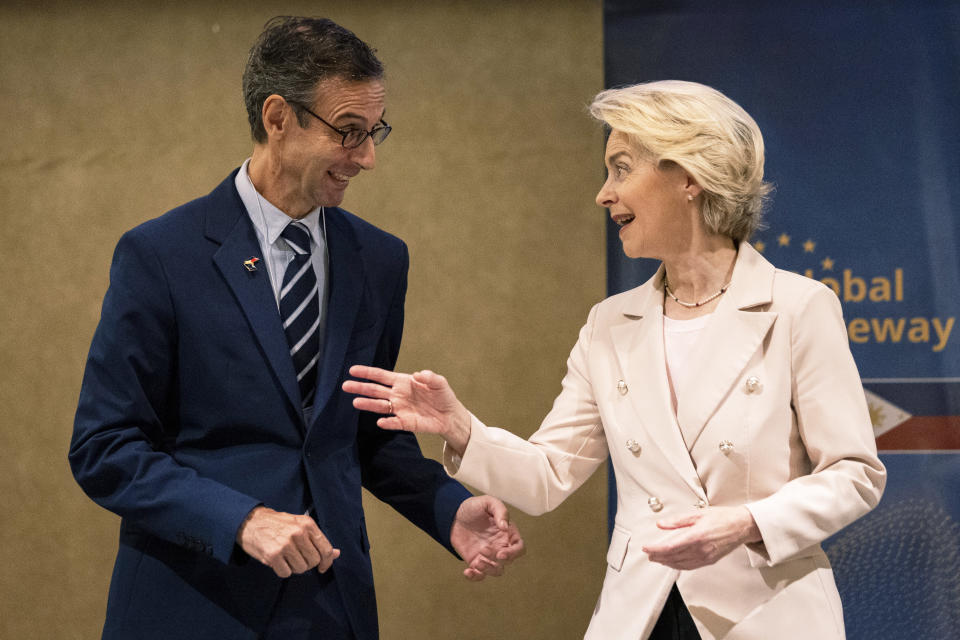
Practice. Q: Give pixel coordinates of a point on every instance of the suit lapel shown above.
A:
(638, 343)
(729, 340)
(345, 276)
(227, 223)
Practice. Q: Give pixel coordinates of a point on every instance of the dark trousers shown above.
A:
(675, 622)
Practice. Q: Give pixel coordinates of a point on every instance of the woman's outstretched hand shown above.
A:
(422, 402)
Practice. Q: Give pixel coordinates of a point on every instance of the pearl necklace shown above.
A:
(691, 305)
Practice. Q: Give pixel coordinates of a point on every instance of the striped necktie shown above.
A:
(300, 310)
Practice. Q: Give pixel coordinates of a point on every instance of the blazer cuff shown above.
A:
(757, 551)
(238, 555)
(777, 545)
(452, 461)
(447, 502)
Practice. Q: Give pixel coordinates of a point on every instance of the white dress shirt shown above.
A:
(269, 222)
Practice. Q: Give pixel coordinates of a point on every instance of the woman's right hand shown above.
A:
(422, 402)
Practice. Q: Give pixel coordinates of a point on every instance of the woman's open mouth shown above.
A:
(623, 219)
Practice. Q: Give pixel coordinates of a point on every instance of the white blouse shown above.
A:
(679, 337)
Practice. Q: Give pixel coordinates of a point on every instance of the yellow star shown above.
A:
(876, 414)
(783, 240)
(760, 245)
(808, 246)
(827, 264)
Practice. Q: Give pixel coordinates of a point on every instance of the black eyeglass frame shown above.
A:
(374, 134)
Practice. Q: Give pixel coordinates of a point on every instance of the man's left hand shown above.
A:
(702, 538)
(484, 537)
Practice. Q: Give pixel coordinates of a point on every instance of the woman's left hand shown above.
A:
(702, 538)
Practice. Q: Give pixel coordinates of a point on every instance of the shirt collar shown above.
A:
(268, 219)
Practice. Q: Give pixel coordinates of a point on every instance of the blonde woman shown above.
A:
(723, 390)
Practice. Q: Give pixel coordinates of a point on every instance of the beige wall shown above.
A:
(112, 113)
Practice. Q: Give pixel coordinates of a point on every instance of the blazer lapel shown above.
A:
(638, 343)
(345, 276)
(727, 343)
(228, 224)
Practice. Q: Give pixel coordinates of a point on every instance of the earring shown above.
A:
(690, 197)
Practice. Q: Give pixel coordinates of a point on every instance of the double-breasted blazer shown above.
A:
(780, 425)
(189, 417)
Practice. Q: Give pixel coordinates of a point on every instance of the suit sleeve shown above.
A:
(538, 474)
(393, 467)
(846, 477)
(119, 453)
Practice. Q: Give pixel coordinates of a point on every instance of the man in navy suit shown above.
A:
(237, 468)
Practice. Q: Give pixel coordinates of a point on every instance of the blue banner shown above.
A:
(859, 105)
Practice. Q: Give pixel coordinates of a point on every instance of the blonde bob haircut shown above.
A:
(704, 132)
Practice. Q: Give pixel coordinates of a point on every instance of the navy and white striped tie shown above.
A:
(300, 310)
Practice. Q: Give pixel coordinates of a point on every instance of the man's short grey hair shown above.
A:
(704, 132)
(293, 55)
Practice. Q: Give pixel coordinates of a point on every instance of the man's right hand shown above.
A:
(285, 542)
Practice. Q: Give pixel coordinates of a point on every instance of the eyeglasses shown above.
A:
(353, 138)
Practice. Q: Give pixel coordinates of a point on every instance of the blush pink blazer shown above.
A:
(782, 427)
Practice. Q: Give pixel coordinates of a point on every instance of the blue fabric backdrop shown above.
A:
(859, 103)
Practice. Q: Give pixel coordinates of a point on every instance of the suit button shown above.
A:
(701, 504)
(753, 385)
(726, 447)
(622, 387)
(633, 445)
(655, 504)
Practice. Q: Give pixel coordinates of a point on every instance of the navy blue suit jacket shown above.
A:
(189, 417)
